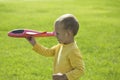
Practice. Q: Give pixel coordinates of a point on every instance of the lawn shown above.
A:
(98, 37)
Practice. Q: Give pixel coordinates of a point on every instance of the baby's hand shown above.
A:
(31, 40)
(59, 76)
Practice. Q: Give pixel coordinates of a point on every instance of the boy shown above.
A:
(68, 63)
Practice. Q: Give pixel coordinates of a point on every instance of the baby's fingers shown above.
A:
(29, 38)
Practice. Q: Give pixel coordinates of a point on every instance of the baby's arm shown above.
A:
(41, 49)
(77, 64)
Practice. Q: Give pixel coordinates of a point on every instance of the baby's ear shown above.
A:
(70, 32)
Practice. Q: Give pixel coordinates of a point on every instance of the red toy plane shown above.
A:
(22, 33)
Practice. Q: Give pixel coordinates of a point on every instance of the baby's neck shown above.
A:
(70, 41)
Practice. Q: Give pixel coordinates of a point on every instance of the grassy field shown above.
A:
(98, 37)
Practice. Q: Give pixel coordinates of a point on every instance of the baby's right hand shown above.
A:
(31, 40)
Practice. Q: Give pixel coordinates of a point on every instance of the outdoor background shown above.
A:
(98, 37)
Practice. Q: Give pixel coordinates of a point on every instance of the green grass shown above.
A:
(98, 37)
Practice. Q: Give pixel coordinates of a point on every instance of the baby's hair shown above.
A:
(70, 22)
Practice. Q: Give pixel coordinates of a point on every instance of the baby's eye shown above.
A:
(57, 33)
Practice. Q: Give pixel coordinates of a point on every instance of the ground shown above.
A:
(98, 37)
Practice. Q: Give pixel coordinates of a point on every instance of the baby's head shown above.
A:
(66, 27)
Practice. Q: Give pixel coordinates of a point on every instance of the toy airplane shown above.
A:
(23, 33)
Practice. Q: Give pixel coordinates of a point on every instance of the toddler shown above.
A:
(68, 63)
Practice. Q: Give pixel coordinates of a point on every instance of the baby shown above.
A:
(68, 63)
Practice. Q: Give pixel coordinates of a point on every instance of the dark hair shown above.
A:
(69, 22)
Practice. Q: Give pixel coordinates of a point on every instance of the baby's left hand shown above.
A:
(59, 76)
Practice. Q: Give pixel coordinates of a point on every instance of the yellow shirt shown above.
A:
(67, 59)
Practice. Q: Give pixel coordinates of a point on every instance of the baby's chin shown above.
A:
(60, 42)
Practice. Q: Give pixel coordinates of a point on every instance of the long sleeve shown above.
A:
(77, 64)
(44, 51)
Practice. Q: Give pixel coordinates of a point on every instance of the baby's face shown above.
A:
(61, 34)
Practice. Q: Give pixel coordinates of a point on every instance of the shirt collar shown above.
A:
(70, 44)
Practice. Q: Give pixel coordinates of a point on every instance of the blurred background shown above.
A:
(98, 37)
